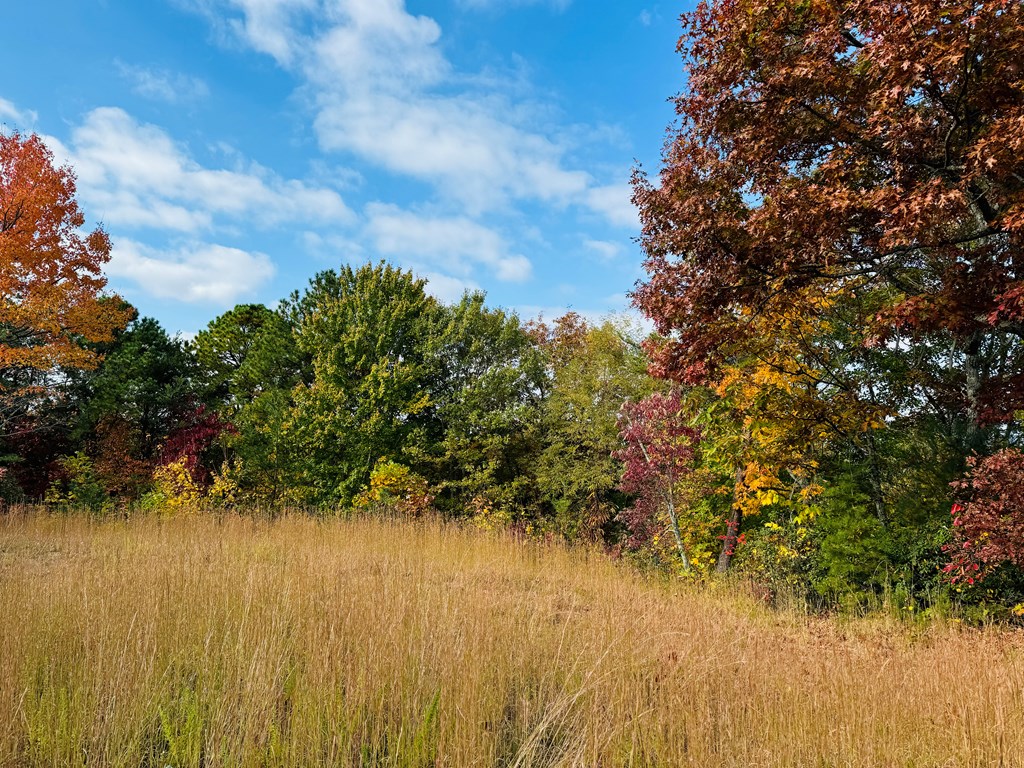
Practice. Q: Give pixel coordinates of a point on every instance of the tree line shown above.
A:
(829, 404)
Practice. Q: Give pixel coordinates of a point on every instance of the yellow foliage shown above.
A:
(225, 489)
(176, 487)
(397, 486)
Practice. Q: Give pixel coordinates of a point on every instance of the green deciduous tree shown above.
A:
(366, 332)
(487, 382)
(593, 370)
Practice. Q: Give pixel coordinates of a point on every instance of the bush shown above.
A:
(395, 487)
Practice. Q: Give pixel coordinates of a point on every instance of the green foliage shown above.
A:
(80, 485)
(249, 366)
(244, 353)
(146, 380)
(487, 380)
(593, 371)
(366, 332)
(854, 550)
(394, 487)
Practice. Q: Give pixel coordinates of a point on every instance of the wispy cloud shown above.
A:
(13, 117)
(383, 90)
(163, 85)
(614, 202)
(606, 251)
(449, 244)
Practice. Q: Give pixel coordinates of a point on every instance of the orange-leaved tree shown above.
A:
(52, 301)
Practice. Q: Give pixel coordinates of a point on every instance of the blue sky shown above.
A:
(234, 148)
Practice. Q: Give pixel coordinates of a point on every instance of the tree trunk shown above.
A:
(972, 386)
(875, 473)
(674, 524)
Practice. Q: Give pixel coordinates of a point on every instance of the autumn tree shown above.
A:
(835, 236)
(52, 301)
(988, 521)
(856, 146)
(658, 456)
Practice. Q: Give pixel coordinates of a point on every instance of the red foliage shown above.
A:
(856, 145)
(659, 452)
(116, 458)
(988, 528)
(191, 439)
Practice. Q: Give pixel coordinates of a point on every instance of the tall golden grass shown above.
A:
(228, 641)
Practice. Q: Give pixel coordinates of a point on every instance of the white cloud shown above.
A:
(614, 202)
(384, 91)
(164, 85)
(266, 24)
(196, 272)
(453, 142)
(19, 119)
(134, 175)
(447, 288)
(453, 244)
(606, 251)
(645, 17)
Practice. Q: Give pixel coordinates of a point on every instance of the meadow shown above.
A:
(230, 641)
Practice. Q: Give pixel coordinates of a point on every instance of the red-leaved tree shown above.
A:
(847, 147)
(190, 441)
(988, 526)
(659, 454)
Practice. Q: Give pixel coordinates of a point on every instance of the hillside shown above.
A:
(227, 641)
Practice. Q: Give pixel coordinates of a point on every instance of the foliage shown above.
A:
(79, 484)
(864, 147)
(365, 332)
(593, 369)
(174, 488)
(244, 353)
(191, 441)
(395, 487)
(658, 456)
(9, 490)
(118, 457)
(485, 378)
(146, 380)
(224, 489)
(264, 450)
(833, 266)
(248, 365)
(988, 525)
(52, 302)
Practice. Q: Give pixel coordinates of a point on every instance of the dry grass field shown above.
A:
(227, 641)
